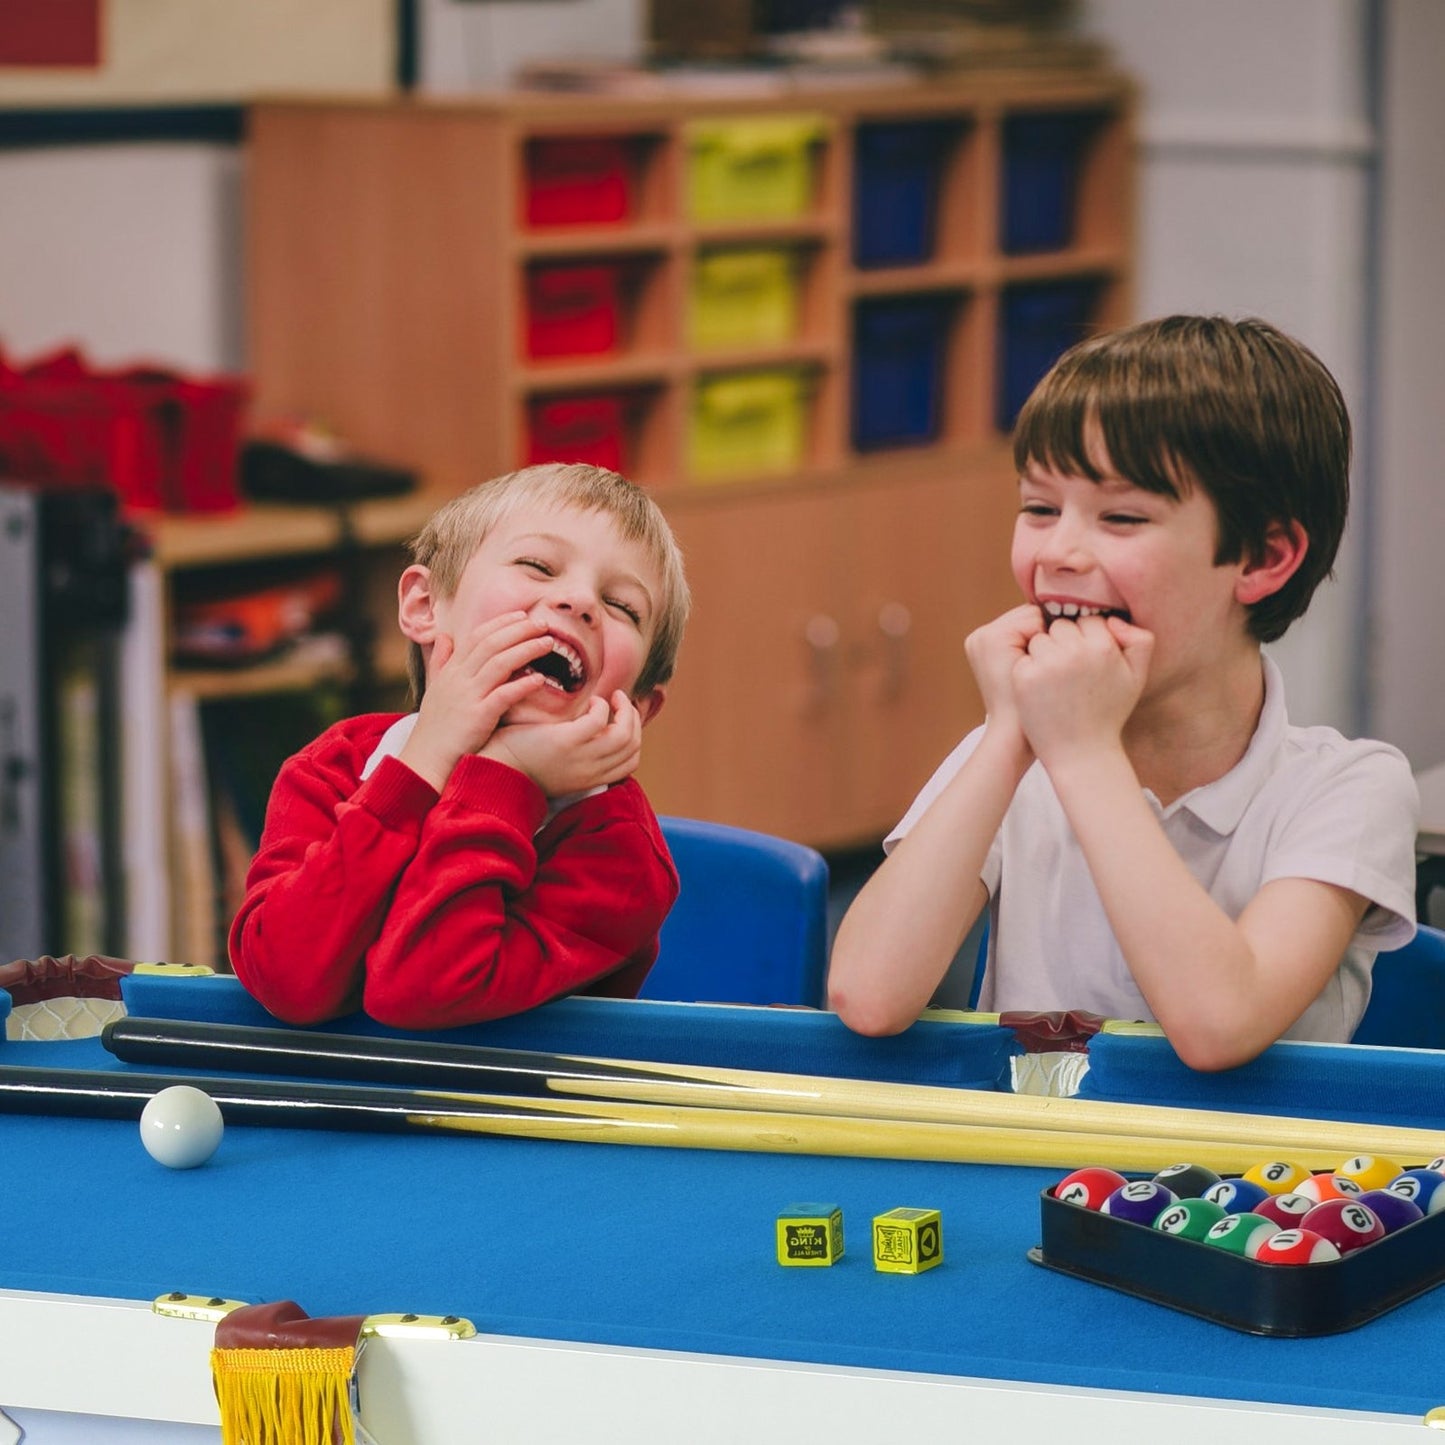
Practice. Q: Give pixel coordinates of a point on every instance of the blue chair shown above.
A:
(750, 924)
(1407, 1004)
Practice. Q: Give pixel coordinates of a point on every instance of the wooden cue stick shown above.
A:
(419, 1063)
(334, 1106)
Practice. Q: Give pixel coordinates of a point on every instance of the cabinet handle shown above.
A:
(821, 633)
(895, 623)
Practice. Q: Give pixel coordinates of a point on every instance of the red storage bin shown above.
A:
(573, 310)
(162, 442)
(579, 429)
(577, 180)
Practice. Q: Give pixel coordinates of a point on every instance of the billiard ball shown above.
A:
(1394, 1211)
(1187, 1181)
(181, 1126)
(1191, 1218)
(1424, 1186)
(1241, 1233)
(1277, 1176)
(1369, 1171)
(1346, 1223)
(1140, 1201)
(1320, 1187)
(1237, 1196)
(1296, 1246)
(1091, 1186)
(1287, 1210)
(1437, 1166)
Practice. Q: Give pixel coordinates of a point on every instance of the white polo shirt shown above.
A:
(1300, 803)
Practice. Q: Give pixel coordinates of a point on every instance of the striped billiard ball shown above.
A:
(1242, 1233)
(1296, 1246)
(1141, 1201)
(1346, 1223)
(1424, 1186)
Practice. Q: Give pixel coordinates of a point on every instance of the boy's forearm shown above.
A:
(1190, 960)
(896, 941)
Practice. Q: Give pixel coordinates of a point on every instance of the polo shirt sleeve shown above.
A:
(1354, 826)
(941, 778)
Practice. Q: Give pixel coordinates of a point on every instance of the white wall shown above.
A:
(1406, 654)
(1256, 154)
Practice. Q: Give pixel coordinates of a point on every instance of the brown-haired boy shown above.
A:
(1154, 840)
(489, 851)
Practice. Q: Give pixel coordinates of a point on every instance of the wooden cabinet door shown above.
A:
(752, 730)
(926, 562)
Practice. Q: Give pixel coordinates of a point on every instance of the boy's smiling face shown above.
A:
(1082, 547)
(594, 592)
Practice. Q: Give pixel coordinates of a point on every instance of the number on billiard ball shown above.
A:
(181, 1126)
(1141, 1201)
(1091, 1186)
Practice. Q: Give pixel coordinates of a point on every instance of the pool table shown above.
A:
(632, 1295)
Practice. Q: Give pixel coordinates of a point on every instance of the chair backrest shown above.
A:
(1407, 1001)
(750, 924)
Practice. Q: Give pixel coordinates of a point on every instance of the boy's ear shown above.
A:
(416, 605)
(650, 704)
(1285, 546)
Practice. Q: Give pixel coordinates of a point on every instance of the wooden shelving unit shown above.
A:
(388, 265)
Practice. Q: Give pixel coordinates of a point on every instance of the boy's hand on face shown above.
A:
(1079, 682)
(471, 685)
(993, 651)
(602, 746)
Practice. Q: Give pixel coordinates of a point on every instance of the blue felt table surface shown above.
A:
(647, 1247)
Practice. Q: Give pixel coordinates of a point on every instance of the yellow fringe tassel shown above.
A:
(284, 1397)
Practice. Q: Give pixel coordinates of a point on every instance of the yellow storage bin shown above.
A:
(749, 422)
(752, 169)
(743, 297)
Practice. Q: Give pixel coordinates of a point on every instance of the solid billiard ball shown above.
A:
(1091, 1186)
(1191, 1218)
(1369, 1171)
(1287, 1210)
(1237, 1196)
(1296, 1246)
(1187, 1181)
(1320, 1187)
(1424, 1186)
(1346, 1223)
(1394, 1211)
(1140, 1201)
(181, 1126)
(1241, 1233)
(1276, 1176)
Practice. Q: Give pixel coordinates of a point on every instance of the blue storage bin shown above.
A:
(896, 174)
(1041, 159)
(1039, 323)
(898, 347)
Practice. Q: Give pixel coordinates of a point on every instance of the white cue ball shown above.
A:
(181, 1127)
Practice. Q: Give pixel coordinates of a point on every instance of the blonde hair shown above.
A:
(448, 541)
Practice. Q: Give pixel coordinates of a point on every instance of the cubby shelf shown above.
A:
(397, 253)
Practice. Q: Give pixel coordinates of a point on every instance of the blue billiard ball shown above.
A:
(1424, 1186)
(1237, 1196)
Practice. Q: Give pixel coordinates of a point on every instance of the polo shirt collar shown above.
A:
(1220, 805)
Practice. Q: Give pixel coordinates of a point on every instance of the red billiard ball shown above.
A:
(1320, 1187)
(1394, 1211)
(1296, 1246)
(1346, 1223)
(1142, 1201)
(1089, 1187)
(1287, 1210)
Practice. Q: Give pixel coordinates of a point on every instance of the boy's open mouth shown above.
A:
(562, 667)
(1074, 610)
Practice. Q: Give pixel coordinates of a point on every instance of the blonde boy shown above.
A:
(490, 850)
(1152, 837)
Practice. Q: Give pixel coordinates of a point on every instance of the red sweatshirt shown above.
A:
(431, 911)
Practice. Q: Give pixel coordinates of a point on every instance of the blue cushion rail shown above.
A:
(966, 1055)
